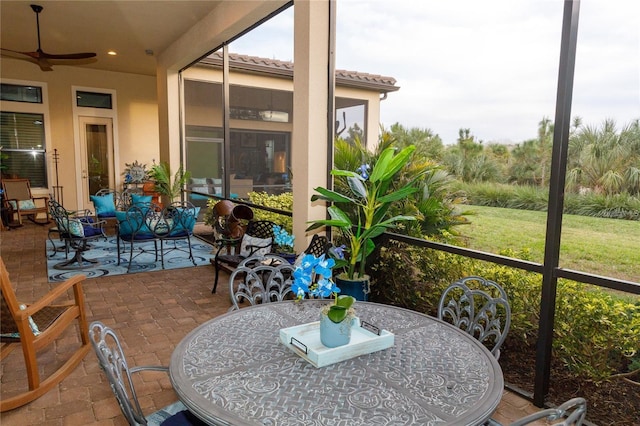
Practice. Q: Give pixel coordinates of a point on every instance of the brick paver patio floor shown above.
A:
(151, 312)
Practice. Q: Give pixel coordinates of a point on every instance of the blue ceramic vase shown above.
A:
(334, 334)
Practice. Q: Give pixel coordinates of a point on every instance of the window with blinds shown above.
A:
(23, 147)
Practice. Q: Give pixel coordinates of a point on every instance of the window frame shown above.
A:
(34, 108)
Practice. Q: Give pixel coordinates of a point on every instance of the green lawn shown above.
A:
(608, 247)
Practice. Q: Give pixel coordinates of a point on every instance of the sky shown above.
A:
(490, 66)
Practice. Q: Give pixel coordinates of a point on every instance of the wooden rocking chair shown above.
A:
(35, 327)
(19, 202)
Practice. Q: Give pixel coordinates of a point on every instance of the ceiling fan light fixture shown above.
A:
(112, 53)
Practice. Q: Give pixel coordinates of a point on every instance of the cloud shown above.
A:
(491, 65)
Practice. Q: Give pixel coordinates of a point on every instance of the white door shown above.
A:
(96, 158)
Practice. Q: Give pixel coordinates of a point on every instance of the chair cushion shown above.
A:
(10, 329)
(198, 181)
(249, 244)
(104, 205)
(124, 227)
(187, 223)
(137, 199)
(24, 204)
(74, 227)
(90, 231)
(175, 414)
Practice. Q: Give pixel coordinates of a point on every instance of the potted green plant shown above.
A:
(371, 195)
(164, 184)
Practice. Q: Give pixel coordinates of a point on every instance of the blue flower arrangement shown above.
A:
(313, 276)
(283, 239)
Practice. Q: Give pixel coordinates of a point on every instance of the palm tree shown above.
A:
(545, 139)
(605, 161)
(428, 144)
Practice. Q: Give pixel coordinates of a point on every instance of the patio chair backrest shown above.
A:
(480, 307)
(17, 189)
(261, 279)
(139, 220)
(176, 220)
(113, 362)
(318, 245)
(572, 413)
(69, 225)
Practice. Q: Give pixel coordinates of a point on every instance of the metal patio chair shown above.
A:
(76, 229)
(175, 223)
(133, 227)
(570, 413)
(114, 364)
(256, 240)
(261, 279)
(480, 307)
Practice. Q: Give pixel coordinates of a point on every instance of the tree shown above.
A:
(525, 166)
(603, 160)
(469, 162)
(427, 144)
(545, 140)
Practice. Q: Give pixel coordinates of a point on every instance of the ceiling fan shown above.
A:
(43, 59)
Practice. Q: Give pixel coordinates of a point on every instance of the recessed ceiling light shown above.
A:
(112, 53)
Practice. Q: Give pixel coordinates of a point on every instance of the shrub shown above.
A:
(597, 334)
(282, 201)
(618, 206)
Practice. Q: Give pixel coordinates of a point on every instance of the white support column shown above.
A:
(310, 100)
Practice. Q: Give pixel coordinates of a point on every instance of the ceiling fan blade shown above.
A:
(83, 55)
(44, 64)
(42, 58)
(31, 54)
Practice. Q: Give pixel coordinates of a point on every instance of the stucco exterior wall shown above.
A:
(135, 125)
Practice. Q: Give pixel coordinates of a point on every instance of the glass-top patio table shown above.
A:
(234, 370)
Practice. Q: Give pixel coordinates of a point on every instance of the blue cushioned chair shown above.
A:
(133, 227)
(76, 229)
(104, 203)
(114, 364)
(176, 223)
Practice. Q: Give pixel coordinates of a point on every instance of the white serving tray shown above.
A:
(306, 343)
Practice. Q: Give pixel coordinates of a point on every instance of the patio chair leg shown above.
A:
(215, 284)
(78, 261)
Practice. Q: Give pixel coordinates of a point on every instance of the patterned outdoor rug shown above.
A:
(106, 253)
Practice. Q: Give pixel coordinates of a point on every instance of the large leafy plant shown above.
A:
(369, 199)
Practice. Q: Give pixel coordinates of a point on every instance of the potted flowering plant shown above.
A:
(313, 276)
(284, 243)
(371, 195)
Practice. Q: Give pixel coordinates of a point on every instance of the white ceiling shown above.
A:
(128, 27)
